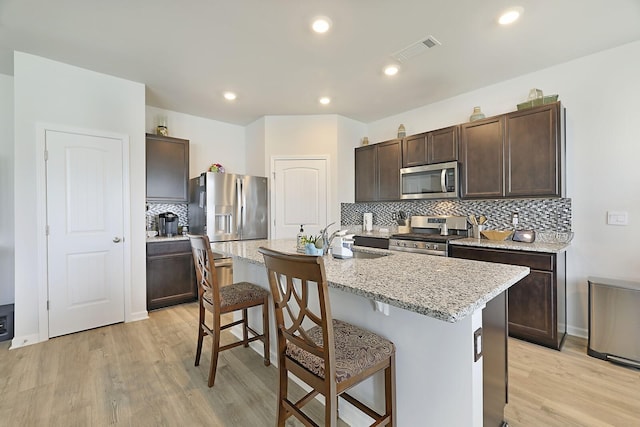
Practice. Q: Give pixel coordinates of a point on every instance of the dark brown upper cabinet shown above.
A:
(534, 152)
(430, 147)
(482, 158)
(377, 170)
(167, 169)
(520, 154)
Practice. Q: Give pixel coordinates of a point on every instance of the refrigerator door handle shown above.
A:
(239, 207)
(243, 206)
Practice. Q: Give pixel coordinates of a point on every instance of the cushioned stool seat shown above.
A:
(329, 355)
(218, 300)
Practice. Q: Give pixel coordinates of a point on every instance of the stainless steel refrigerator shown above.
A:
(227, 206)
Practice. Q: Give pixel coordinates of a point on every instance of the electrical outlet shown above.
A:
(394, 216)
(514, 218)
(617, 218)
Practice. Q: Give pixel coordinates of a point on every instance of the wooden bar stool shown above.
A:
(329, 355)
(227, 299)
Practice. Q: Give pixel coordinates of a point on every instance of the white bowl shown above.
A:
(152, 233)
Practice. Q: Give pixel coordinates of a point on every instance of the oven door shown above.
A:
(438, 181)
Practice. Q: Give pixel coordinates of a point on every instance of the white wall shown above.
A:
(350, 134)
(6, 190)
(255, 148)
(601, 94)
(55, 93)
(210, 141)
(329, 135)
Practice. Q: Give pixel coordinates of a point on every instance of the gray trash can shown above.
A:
(614, 321)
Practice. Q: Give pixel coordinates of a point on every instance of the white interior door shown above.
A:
(85, 219)
(300, 196)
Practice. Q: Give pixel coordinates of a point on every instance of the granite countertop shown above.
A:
(537, 246)
(447, 289)
(166, 239)
(545, 241)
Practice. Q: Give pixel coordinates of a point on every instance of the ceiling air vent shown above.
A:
(415, 49)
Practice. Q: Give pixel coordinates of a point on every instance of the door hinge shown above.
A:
(46, 155)
(46, 230)
(47, 304)
(274, 175)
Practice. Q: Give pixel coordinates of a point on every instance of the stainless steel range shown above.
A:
(430, 234)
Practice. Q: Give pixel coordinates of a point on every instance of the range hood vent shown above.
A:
(415, 49)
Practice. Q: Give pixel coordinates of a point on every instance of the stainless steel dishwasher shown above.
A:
(614, 320)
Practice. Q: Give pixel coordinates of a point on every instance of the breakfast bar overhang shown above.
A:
(430, 307)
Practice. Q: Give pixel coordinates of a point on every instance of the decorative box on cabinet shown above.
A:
(171, 277)
(377, 171)
(167, 169)
(537, 303)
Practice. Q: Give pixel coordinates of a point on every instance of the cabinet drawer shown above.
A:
(168, 248)
(533, 260)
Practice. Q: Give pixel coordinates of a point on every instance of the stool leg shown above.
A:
(265, 331)
(245, 324)
(331, 409)
(390, 390)
(200, 335)
(215, 349)
(283, 384)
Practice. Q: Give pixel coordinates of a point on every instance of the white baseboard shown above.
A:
(24, 341)
(577, 332)
(140, 315)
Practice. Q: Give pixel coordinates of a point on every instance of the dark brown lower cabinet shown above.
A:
(537, 303)
(171, 277)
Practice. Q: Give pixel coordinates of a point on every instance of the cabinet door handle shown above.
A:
(116, 240)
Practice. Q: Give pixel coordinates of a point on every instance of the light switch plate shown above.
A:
(617, 218)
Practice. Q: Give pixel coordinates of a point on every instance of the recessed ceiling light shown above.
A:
(230, 96)
(391, 70)
(510, 16)
(321, 24)
(325, 100)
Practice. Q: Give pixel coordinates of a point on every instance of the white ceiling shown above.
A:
(188, 53)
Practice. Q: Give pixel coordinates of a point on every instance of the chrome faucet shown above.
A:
(326, 241)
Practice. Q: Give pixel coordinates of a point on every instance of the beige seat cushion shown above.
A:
(356, 350)
(238, 293)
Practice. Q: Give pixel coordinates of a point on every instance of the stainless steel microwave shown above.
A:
(437, 181)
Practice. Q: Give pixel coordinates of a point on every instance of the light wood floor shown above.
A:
(142, 374)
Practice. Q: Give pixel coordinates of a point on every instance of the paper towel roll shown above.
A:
(367, 221)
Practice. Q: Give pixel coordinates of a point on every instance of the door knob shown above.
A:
(116, 239)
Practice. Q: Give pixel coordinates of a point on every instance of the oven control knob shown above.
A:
(415, 245)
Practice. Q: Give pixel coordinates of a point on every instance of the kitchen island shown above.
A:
(430, 307)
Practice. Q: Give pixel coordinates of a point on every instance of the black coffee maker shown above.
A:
(167, 224)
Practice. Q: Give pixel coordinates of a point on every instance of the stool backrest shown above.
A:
(295, 282)
(205, 268)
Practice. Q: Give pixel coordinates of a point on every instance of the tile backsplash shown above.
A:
(153, 209)
(552, 215)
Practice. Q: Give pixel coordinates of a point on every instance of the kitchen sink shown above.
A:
(368, 255)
